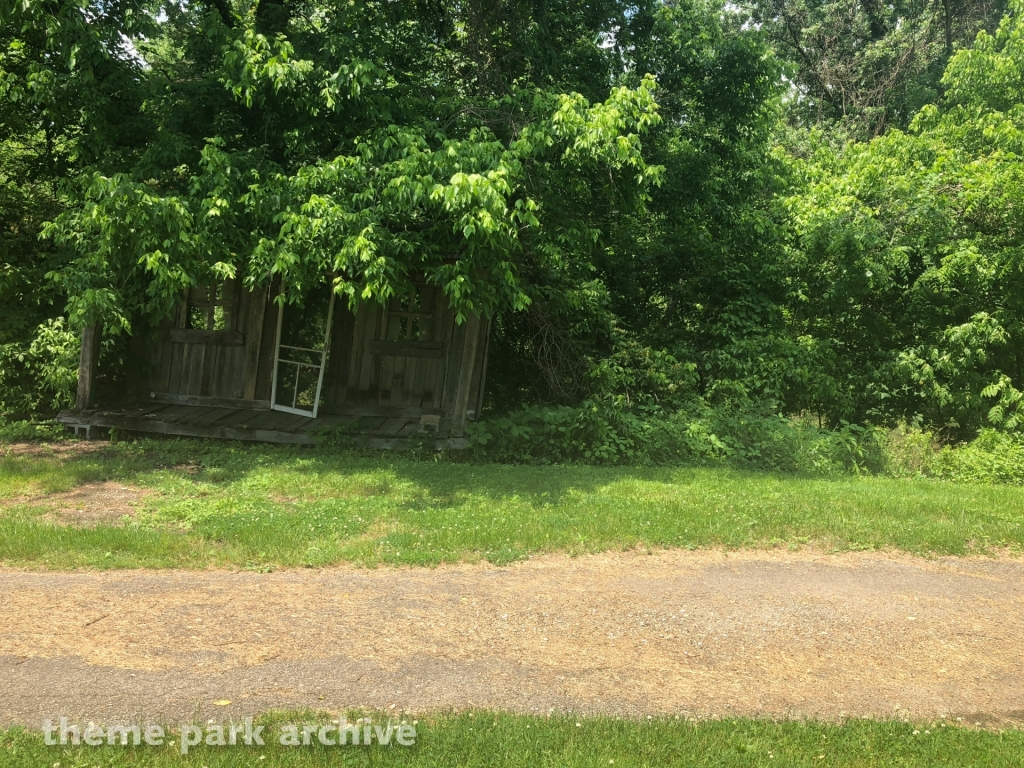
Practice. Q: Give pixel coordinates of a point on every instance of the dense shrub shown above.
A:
(40, 376)
(746, 434)
(992, 457)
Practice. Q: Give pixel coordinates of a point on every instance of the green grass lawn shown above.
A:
(239, 505)
(489, 739)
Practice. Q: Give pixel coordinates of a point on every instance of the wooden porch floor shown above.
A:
(247, 424)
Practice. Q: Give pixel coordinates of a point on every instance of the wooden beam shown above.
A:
(386, 411)
(200, 336)
(407, 348)
(249, 431)
(466, 374)
(211, 402)
(253, 339)
(483, 368)
(87, 360)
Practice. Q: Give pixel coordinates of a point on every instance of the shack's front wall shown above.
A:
(223, 363)
(406, 358)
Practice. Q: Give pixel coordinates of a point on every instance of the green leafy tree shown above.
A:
(370, 142)
(910, 248)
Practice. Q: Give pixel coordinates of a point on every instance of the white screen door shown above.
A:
(300, 353)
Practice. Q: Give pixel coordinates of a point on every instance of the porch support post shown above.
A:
(466, 373)
(87, 365)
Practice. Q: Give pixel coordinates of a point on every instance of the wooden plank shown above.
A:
(410, 428)
(466, 366)
(253, 342)
(149, 409)
(217, 402)
(212, 416)
(339, 356)
(275, 420)
(456, 348)
(208, 381)
(391, 427)
(238, 417)
(213, 431)
(446, 323)
(376, 442)
(87, 359)
(353, 409)
(407, 348)
(428, 392)
(160, 357)
(366, 361)
(298, 424)
(196, 415)
(174, 374)
(185, 375)
(228, 372)
(334, 421)
(371, 424)
(200, 370)
(196, 366)
(203, 336)
(398, 381)
(387, 374)
(480, 371)
(265, 369)
(418, 382)
(173, 413)
(356, 356)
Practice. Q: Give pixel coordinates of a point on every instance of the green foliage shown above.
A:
(39, 377)
(739, 434)
(864, 67)
(909, 254)
(21, 430)
(992, 457)
(301, 141)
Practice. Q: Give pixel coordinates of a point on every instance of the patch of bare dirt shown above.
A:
(59, 449)
(91, 504)
(700, 634)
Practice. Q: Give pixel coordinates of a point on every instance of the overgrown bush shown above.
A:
(747, 435)
(743, 435)
(39, 377)
(992, 457)
(22, 430)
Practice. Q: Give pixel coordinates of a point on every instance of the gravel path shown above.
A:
(776, 633)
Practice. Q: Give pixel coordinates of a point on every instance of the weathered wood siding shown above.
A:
(373, 367)
(202, 363)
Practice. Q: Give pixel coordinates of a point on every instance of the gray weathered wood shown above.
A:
(87, 360)
(200, 336)
(486, 341)
(352, 409)
(213, 402)
(407, 348)
(253, 342)
(374, 433)
(466, 366)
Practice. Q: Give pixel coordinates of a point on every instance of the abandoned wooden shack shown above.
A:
(234, 363)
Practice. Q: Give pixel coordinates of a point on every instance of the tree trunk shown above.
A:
(948, 23)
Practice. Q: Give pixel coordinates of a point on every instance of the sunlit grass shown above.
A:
(257, 506)
(484, 738)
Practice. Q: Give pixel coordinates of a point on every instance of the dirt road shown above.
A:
(698, 633)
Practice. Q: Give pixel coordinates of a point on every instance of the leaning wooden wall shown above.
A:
(190, 362)
(368, 369)
(371, 368)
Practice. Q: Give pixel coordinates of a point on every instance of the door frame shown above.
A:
(298, 366)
